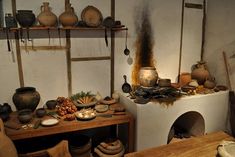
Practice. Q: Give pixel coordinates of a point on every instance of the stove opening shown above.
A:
(187, 125)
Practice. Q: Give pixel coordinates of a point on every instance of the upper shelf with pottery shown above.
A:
(91, 19)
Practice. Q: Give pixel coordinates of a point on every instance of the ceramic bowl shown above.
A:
(25, 115)
(51, 104)
(40, 112)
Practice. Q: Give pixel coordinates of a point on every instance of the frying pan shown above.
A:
(126, 87)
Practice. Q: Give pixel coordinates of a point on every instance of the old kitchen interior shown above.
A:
(111, 77)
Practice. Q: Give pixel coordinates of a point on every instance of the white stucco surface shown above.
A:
(153, 121)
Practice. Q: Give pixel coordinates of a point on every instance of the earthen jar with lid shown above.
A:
(68, 18)
(47, 17)
(200, 72)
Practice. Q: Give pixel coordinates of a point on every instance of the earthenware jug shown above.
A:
(68, 18)
(200, 72)
(7, 147)
(148, 76)
(26, 98)
(47, 17)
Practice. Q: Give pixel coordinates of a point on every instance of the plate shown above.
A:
(85, 114)
(49, 122)
(108, 102)
(226, 149)
(101, 108)
(91, 16)
(84, 105)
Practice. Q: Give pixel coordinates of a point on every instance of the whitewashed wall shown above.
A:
(46, 70)
(220, 36)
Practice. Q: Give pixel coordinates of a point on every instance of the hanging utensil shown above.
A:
(21, 35)
(12, 52)
(106, 37)
(49, 36)
(126, 51)
(59, 36)
(8, 42)
(126, 87)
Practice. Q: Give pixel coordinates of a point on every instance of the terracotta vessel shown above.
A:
(148, 76)
(46, 17)
(68, 18)
(26, 98)
(185, 78)
(210, 83)
(200, 72)
(25, 18)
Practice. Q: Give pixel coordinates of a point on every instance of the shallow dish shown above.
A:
(108, 102)
(101, 108)
(49, 122)
(226, 149)
(84, 105)
(85, 114)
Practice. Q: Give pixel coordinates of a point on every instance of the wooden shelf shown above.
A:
(69, 126)
(122, 27)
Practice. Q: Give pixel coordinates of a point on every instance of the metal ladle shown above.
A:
(126, 51)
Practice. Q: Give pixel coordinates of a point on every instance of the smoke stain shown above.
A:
(144, 42)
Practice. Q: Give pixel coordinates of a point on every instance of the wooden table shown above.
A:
(69, 126)
(203, 146)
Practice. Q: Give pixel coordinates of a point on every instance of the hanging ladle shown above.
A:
(126, 51)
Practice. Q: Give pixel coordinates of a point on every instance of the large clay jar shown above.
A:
(68, 18)
(26, 98)
(25, 18)
(148, 76)
(200, 72)
(46, 17)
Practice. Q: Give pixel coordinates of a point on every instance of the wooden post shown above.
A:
(17, 43)
(112, 62)
(68, 60)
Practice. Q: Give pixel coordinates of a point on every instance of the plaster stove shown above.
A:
(153, 121)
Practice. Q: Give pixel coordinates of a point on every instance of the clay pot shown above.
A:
(80, 145)
(26, 98)
(25, 18)
(25, 116)
(7, 147)
(148, 76)
(184, 79)
(68, 18)
(46, 17)
(200, 72)
(210, 84)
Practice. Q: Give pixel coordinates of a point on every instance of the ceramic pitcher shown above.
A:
(68, 18)
(46, 17)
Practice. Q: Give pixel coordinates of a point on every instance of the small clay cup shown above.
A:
(51, 104)
(40, 112)
(25, 115)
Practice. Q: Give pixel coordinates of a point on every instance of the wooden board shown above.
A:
(203, 146)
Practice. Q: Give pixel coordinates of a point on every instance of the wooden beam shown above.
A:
(43, 48)
(17, 44)
(68, 60)
(91, 58)
(112, 50)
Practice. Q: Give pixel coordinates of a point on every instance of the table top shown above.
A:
(63, 126)
(205, 146)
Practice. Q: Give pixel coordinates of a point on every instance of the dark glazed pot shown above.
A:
(26, 18)
(26, 98)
